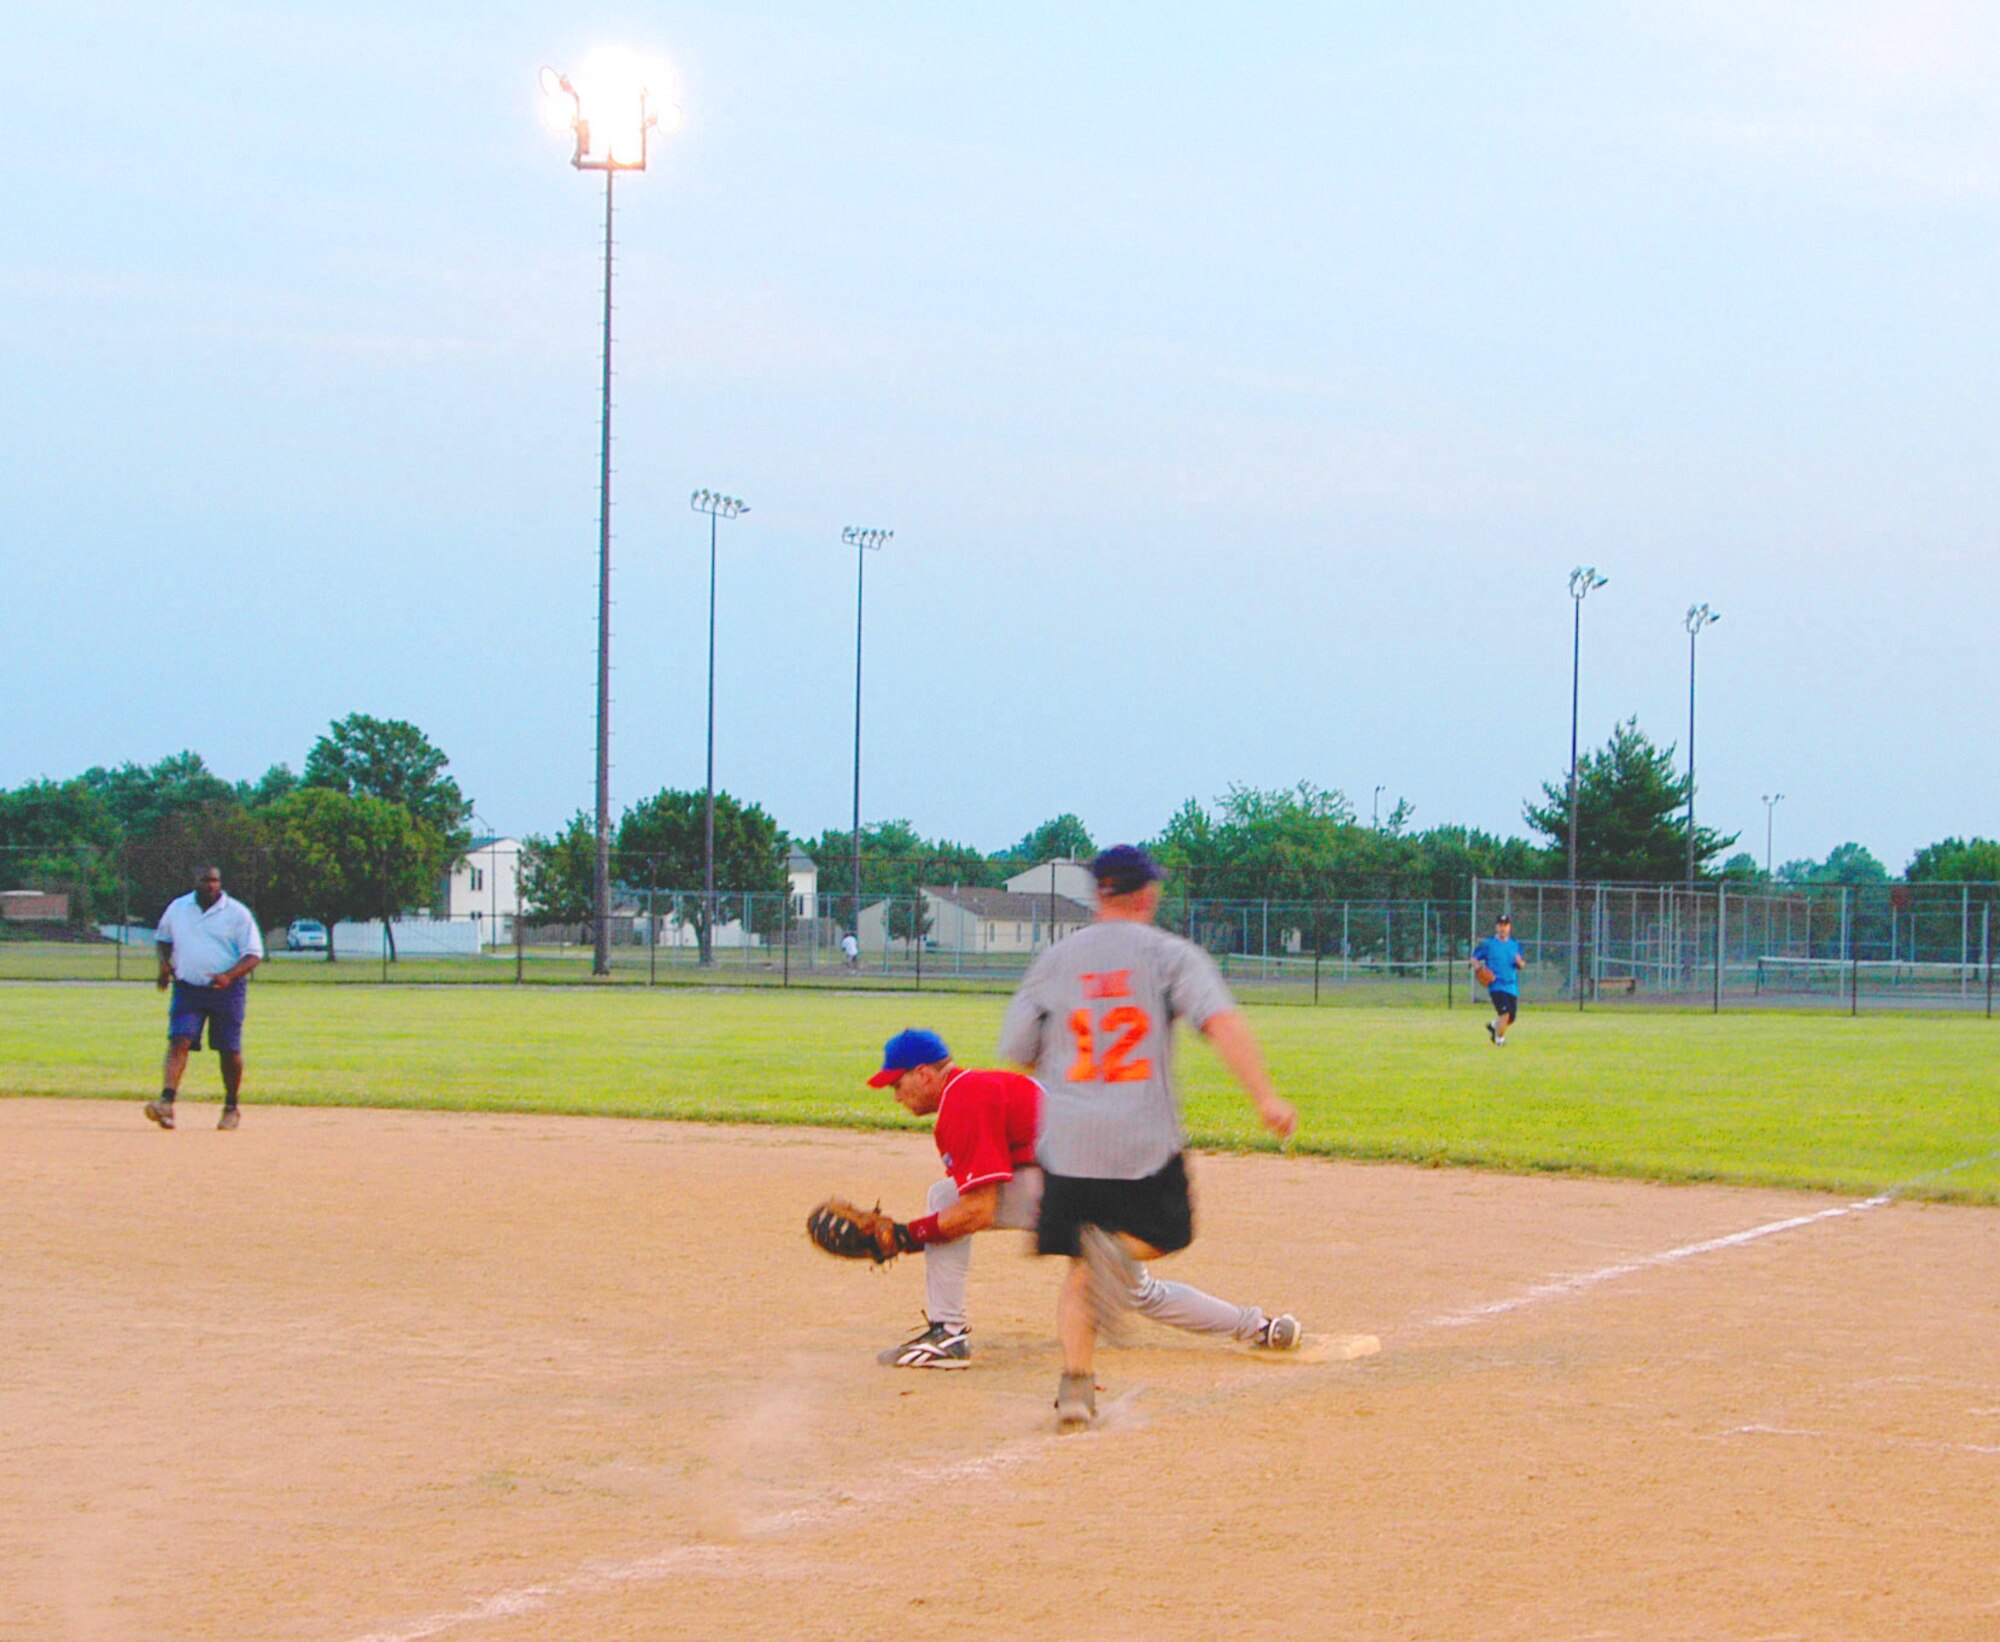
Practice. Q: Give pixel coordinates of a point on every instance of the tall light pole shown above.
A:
(1583, 581)
(616, 86)
(1698, 617)
(1375, 815)
(716, 507)
(1771, 801)
(864, 542)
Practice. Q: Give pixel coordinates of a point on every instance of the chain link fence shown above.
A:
(1721, 946)
(88, 913)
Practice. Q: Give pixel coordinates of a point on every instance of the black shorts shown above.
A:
(1505, 1003)
(1157, 1210)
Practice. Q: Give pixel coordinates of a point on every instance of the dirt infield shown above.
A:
(346, 1375)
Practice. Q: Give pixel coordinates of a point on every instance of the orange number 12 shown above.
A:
(1130, 1026)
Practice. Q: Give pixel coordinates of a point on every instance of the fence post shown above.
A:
(1852, 950)
(1986, 949)
(1721, 936)
(520, 934)
(124, 918)
(652, 921)
(1319, 945)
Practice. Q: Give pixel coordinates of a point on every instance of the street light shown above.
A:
(611, 135)
(1375, 819)
(1698, 617)
(1771, 801)
(716, 507)
(1583, 581)
(864, 542)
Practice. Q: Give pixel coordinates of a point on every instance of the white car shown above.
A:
(305, 935)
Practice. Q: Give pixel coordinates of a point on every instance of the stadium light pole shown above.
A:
(1583, 581)
(1698, 617)
(716, 507)
(619, 97)
(864, 542)
(1375, 815)
(1771, 801)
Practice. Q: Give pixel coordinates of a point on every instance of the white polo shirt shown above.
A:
(207, 943)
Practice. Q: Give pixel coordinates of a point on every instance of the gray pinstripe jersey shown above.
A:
(1095, 1017)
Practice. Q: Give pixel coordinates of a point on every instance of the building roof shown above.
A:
(799, 861)
(1011, 906)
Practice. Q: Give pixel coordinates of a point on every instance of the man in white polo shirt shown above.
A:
(208, 946)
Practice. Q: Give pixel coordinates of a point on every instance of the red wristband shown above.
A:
(925, 1230)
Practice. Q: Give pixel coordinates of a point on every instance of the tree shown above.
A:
(1845, 864)
(1956, 861)
(390, 759)
(663, 838)
(895, 858)
(335, 856)
(1742, 868)
(139, 796)
(219, 833)
(277, 782)
(559, 874)
(1630, 806)
(1063, 838)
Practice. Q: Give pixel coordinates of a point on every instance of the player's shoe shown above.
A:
(942, 1345)
(1493, 1032)
(1280, 1333)
(1076, 1403)
(161, 1112)
(229, 1118)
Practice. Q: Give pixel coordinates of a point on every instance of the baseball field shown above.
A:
(454, 1339)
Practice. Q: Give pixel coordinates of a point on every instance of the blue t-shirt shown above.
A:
(1504, 959)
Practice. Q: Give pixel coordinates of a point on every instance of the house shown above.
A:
(485, 885)
(802, 873)
(963, 919)
(1066, 877)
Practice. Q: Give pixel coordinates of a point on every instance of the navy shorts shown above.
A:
(222, 1011)
(1157, 1210)
(1505, 1003)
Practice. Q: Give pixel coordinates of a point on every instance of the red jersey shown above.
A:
(986, 1127)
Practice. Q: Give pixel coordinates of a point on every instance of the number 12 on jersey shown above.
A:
(1126, 1027)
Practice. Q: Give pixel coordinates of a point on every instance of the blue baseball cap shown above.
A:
(1124, 868)
(909, 1048)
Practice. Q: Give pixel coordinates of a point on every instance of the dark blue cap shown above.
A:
(909, 1048)
(1123, 868)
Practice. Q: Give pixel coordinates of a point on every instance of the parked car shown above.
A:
(305, 935)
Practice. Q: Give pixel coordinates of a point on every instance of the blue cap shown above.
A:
(909, 1048)
(1123, 868)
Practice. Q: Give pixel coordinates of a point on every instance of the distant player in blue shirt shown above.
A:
(1497, 962)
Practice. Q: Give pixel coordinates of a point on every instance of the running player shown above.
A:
(1095, 1017)
(1501, 957)
(987, 1123)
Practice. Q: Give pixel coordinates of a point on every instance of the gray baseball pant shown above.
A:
(948, 1266)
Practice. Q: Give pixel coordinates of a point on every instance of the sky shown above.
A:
(1241, 385)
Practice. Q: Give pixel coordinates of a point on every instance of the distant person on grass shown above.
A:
(850, 949)
(208, 946)
(1497, 961)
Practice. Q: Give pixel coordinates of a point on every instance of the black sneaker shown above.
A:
(1492, 1034)
(942, 1345)
(161, 1112)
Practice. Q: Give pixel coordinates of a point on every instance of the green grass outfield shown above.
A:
(1832, 1103)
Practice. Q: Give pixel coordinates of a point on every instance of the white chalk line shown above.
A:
(715, 1559)
(1929, 1444)
(1562, 1287)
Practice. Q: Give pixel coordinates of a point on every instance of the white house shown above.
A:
(486, 886)
(961, 919)
(802, 873)
(1066, 877)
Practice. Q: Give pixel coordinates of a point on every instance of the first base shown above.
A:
(1328, 1348)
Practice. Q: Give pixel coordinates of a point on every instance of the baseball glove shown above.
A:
(858, 1234)
(1483, 975)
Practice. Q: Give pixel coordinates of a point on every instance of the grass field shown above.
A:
(1832, 1104)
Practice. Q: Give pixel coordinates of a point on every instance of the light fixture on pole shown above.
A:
(608, 109)
(1698, 617)
(1771, 801)
(716, 507)
(1583, 581)
(864, 542)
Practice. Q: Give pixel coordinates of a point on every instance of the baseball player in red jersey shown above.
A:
(987, 1128)
(1095, 1017)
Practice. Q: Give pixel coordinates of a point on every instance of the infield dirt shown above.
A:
(347, 1374)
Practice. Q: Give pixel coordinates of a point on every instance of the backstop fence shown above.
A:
(89, 913)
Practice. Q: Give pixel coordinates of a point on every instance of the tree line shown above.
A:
(373, 822)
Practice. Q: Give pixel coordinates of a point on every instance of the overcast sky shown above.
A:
(1240, 392)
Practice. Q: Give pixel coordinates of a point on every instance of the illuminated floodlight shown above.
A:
(611, 105)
